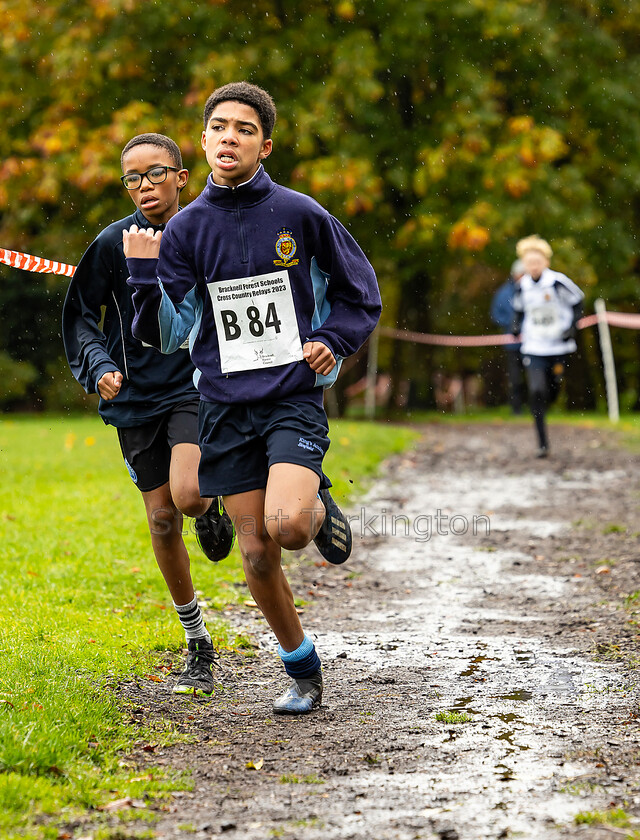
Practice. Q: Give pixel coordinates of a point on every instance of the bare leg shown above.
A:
(165, 526)
(293, 511)
(183, 480)
(261, 560)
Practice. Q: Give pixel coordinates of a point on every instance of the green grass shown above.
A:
(626, 430)
(356, 452)
(615, 816)
(453, 717)
(312, 779)
(629, 420)
(83, 607)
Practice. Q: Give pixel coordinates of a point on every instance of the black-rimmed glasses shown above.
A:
(155, 175)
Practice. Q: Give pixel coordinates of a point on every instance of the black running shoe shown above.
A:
(333, 540)
(301, 697)
(215, 532)
(197, 678)
(543, 452)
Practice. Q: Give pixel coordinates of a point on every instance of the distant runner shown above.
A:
(547, 308)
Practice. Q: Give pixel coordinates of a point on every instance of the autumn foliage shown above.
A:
(439, 132)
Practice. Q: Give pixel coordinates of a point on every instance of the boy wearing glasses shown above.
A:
(149, 397)
(280, 293)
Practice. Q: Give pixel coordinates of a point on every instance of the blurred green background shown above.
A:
(438, 132)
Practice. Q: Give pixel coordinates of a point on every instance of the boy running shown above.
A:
(547, 308)
(274, 292)
(148, 397)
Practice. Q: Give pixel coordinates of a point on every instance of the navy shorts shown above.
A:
(147, 448)
(240, 442)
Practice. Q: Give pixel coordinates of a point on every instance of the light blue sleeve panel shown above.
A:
(320, 281)
(176, 322)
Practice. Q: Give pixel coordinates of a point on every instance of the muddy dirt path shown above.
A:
(479, 652)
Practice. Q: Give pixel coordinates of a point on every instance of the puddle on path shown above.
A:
(440, 625)
(506, 762)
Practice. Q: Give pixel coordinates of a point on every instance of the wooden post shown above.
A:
(611, 384)
(372, 377)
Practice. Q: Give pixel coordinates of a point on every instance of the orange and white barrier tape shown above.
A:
(27, 262)
(448, 340)
(628, 320)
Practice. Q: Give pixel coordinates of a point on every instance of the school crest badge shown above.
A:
(286, 248)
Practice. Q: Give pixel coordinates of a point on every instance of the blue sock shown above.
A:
(302, 662)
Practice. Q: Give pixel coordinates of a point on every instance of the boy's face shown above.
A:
(534, 263)
(158, 202)
(234, 144)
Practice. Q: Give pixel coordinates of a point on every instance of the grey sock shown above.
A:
(190, 616)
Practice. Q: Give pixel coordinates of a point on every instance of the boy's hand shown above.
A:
(321, 360)
(109, 384)
(141, 243)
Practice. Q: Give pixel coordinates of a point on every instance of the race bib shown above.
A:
(545, 322)
(256, 322)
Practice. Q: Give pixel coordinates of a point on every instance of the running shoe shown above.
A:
(215, 532)
(302, 696)
(333, 540)
(197, 678)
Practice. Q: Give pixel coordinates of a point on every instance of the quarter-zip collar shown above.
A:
(142, 221)
(253, 191)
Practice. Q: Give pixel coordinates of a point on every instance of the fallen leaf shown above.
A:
(250, 603)
(603, 570)
(120, 804)
(255, 765)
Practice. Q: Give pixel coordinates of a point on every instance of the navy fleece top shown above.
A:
(97, 318)
(233, 261)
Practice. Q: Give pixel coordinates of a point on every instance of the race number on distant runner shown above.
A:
(545, 322)
(256, 322)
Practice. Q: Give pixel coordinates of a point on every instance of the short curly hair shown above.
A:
(534, 243)
(159, 140)
(248, 94)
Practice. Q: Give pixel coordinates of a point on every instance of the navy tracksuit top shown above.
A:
(253, 252)
(96, 344)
